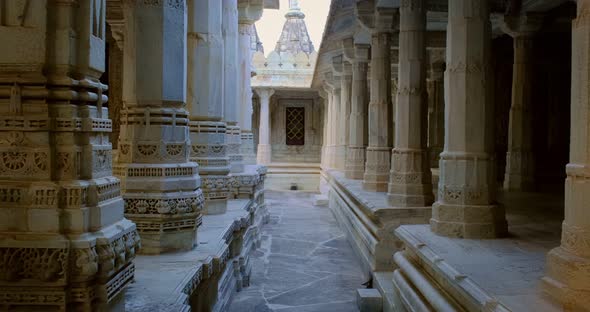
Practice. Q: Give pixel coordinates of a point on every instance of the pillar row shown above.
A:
(161, 187)
(410, 182)
(466, 205)
(567, 276)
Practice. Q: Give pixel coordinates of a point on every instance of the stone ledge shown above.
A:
(170, 282)
(369, 221)
(454, 268)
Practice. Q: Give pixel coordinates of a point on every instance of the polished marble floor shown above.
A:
(305, 263)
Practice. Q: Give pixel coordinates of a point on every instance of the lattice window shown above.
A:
(295, 125)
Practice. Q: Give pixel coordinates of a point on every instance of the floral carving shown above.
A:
(174, 149)
(14, 160)
(147, 149)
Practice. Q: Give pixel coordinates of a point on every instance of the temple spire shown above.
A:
(294, 38)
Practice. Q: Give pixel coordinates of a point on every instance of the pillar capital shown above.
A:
(264, 93)
(378, 16)
(525, 25)
(250, 11)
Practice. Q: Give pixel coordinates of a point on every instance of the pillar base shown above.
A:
(568, 279)
(376, 177)
(410, 183)
(264, 155)
(340, 157)
(162, 242)
(355, 163)
(468, 221)
(78, 273)
(234, 140)
(247, 148)
(216, 190)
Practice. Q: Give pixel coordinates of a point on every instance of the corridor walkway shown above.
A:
(304, 264)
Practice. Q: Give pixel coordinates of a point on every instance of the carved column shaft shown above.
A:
(264, 148)
(329, 138)
(161, 187)
(410, 182)
(245, 63)
(355, 162)
(466, 202)
(519, 158)
(567, 276)
(205, 95)
(380, 115)
(336, 123)
(231, 86)
(344, 115)
(436, 112)
(63, 238)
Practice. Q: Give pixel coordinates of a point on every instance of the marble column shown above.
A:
(343, 70)
(205, 101)
(436, 112)
(231, 86)
(329, 137)
(567, 277)
(520, 168)
(336, 161)
(264, 155)
(380, 115)
(115, 56)
(161, 187)
(326, 102)
(466, 205)
(357, 127)
(245, 102)
(64, 241)
(410, 182)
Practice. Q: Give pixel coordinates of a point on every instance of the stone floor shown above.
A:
(305, 263)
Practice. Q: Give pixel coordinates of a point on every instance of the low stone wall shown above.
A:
(205, 278)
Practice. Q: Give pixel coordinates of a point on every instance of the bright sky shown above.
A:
(269, 27)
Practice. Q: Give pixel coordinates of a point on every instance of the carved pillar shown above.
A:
(342, 70)
(329, 143)
(520, 168)
(355, 159)
(380, 115)
(436, 112)
(410, 182)
(336, 161)
(326, 102)
(115, 87)
(161, 188)
(231, 87)
(205, 102)
(64, 242)
(466, 204)
(567, 277)
(247, 144)
(264, 148)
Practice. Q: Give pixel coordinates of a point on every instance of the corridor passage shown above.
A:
(305, 263)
